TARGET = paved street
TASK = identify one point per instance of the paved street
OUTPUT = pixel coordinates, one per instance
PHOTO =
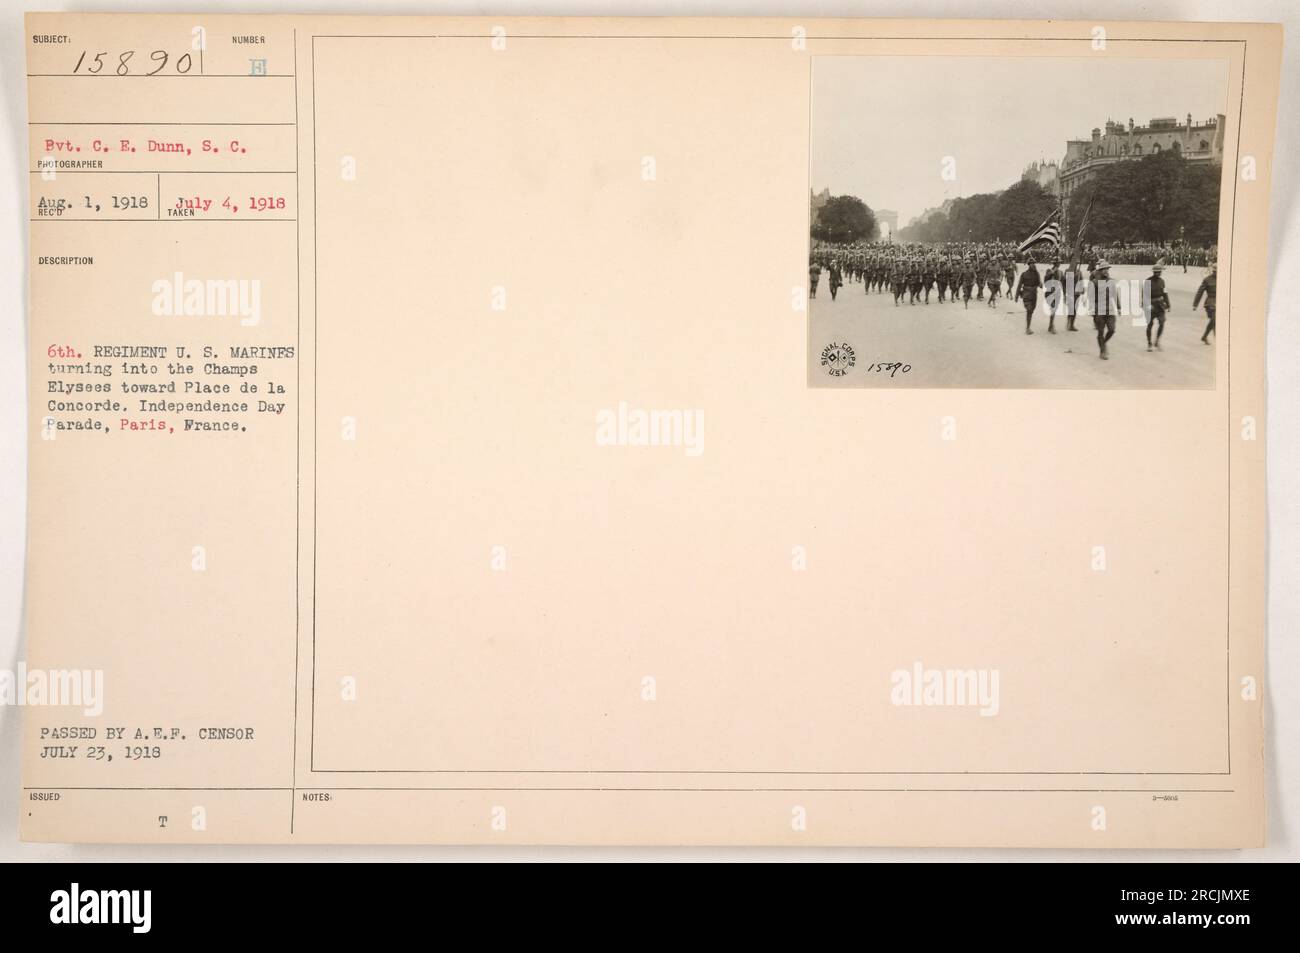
(948, 345)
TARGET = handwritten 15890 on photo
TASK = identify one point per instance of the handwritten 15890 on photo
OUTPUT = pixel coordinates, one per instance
(1033, 222)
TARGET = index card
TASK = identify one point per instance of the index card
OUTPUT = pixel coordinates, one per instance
(646, 431)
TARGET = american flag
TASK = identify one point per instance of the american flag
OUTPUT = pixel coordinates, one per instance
(1049, 232)
(1083, 225)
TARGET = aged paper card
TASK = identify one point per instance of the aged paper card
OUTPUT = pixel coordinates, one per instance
(646, 431)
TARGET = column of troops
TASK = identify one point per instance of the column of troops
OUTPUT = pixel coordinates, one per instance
(960, 271)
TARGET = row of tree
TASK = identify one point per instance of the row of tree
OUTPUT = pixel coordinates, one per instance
(1159, 198)
(1009, 215)
(845, 219)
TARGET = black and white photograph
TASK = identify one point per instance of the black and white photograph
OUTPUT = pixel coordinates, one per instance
(1031, 222)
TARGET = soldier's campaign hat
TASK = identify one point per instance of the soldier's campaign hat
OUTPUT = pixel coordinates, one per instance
(1159, 266)
(1101, 263)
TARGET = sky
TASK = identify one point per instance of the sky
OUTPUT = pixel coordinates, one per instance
(882, 125)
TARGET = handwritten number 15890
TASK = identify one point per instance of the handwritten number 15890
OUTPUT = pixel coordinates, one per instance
(94, 63)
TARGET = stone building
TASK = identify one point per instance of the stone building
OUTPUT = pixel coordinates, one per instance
(888, 221)
(1196, 141)
(815, 202)
(1046, 174)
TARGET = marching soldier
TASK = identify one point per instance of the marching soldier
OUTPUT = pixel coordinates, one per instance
(1157, 303)
(898, 280)
(968, 281)
(1026, 291)
(913, 280)
(1075, 287)
(993, 280)
(1209, 286)
(814, 275)
(836, 278)
(1052, 292)
(1105, 304)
